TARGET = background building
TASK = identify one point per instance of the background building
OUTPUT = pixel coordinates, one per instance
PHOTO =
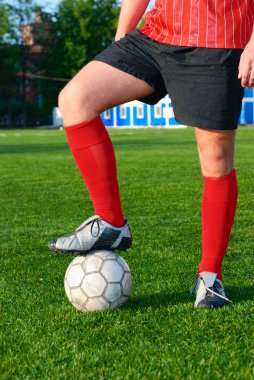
(136, 114)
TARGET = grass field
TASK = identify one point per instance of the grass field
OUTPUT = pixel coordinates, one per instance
(159, 334)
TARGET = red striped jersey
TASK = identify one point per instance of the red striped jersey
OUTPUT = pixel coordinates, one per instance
(201, 23)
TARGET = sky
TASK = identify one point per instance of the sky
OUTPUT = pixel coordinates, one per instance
(49, 5)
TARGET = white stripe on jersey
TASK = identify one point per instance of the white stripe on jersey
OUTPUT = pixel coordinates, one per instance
(204, 23)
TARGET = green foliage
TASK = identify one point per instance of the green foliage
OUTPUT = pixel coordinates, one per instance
(9, 66)
(78, 31)
(4, 19)
(81, 30)
(158, 335)
(16, 61)
(18, 13)
(9, 84)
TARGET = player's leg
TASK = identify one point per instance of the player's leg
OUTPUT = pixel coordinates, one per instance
(216, 153)
(206, 94)
(97, 87)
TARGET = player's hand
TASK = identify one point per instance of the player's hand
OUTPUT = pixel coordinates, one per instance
(246, 66)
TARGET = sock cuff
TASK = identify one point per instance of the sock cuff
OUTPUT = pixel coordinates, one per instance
(74, 127)
(222, 189)
(87, 134)
(227, 177)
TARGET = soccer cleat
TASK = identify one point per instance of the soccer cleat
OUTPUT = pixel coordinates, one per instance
(94, 233)
(209, 291)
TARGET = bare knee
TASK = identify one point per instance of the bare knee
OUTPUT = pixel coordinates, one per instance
(216, 152)
(61, 100)
(74, 105)
(215, 163)
(69, 98)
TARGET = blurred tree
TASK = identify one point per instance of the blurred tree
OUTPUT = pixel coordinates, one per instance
(82, 28)
(14, 55)
(17, 59)
(77, 31)
(4, 19)
(9, 84)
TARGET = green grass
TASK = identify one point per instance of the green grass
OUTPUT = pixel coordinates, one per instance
(159, 334)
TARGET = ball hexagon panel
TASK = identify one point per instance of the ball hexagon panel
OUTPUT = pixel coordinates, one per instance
(103, 254)
(97, 303)
(93, 285)
(112, 271)
(79, 307)
(78, 296)
(92, 264)
(113, 292)
(79, 260)
(127, 283)
(75, 276)
(120, 302)
(123, 263)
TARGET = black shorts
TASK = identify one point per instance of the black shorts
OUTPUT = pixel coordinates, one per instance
(201, 82)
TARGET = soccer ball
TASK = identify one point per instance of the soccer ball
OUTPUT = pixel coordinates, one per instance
(99, 280)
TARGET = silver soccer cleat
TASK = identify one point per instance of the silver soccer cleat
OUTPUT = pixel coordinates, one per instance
(94, 233)
(209, 291)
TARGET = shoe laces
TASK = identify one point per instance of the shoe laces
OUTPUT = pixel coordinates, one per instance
(215, 289)
(96, 223)
(212, 290)
(92, 222)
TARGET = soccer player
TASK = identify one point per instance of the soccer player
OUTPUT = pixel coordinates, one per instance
(202, 54)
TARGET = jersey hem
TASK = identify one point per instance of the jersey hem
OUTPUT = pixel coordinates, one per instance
(173, 41)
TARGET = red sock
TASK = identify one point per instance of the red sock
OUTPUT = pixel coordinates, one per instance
(218, 212)
(94, 154)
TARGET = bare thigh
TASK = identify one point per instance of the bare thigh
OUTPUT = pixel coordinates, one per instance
(216, 151)
(97, 87)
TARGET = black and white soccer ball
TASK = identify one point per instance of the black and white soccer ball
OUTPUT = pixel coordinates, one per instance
(99, 280)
